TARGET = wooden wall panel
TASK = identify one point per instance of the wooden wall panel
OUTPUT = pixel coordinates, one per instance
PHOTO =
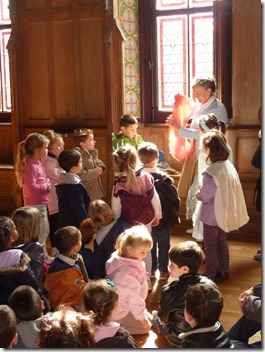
(35, 5)
(92, 69)
(64, 70)
(37, 67)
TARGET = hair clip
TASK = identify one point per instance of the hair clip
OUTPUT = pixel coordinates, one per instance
(111, 283)
(84, 132)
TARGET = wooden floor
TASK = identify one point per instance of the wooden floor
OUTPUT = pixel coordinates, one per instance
(244, 273)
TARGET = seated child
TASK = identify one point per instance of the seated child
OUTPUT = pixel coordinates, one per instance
(169, 199)
(128, 134)
(8, 327)
(15, 269)
(27, 221)
(184, 262)
(87, 233)
(67, 275)
(72, 195)
(28, 308)
(126, 268)
(93, 167)
(203, 306)
(66, 328)
(106, 230)
(101, 297)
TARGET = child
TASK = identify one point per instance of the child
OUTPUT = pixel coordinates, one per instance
(106, 230)
(134, 196)
(72, 194)
(203, 306)
(223, 205)
(14, 263)
(170, 202)
(67, 275)
(93, 167)
(101, 297)
(53, 171)
(33, 180)
(29, 320)
(66, 328)
(27, 222)
(126, 269)
(128, 135)
(8, 327)
(184, 262)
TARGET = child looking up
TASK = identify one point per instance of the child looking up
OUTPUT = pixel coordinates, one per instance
(184, 262)
(93, 167)
(27, 222)
(72, 194)
(101, 297)
(66, 328)
(106, 230)
(53, 171)
(134, 196)
(170, 202)
(223, 204)
(33, 180)
(67, 275)
(8, 327)
(203, 307)
(29, 320)
(126, 269)
(14, 263)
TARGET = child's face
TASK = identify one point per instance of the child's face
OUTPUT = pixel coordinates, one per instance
(41, 152)
(89, 143)
(201, 94)
(130, 131)
(58, 147)
(139, 252)
(175, 271)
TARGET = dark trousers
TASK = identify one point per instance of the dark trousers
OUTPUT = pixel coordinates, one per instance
(53, 222)
(242, 330)
(216, 250)
(161, 245)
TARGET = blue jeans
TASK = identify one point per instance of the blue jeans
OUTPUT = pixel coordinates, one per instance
(161, 245)
(242, 330)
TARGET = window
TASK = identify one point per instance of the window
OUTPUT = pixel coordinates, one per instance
(5, 31)
(177, 39)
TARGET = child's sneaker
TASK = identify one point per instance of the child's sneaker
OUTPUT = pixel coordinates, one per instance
(153, 275)
(164, 276)
(150, 287)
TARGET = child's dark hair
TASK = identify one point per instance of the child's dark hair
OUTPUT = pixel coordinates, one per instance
(65, 238)
(69, 158)
(26, 303)
(147, 152)
(204, 302)
(126, 159)
(6, 228)
(101, 297)
(209, 122)
(187, 253)
(8, 326)
(205, 82)
(27, 220)
(127, 120)
(217, 146)
(66, 328)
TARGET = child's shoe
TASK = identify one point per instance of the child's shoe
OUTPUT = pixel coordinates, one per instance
(150, 287)
(221, 276)
(153, 275)
(164, 276)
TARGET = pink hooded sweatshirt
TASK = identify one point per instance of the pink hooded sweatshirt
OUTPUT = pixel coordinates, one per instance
(129, 275)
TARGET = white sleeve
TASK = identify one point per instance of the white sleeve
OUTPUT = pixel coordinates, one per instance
(115, 205)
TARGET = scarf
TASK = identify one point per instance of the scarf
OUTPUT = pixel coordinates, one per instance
(79, 259)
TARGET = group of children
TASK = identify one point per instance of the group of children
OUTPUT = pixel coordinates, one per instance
(106, 282)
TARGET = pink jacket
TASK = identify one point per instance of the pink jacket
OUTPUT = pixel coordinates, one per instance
(129, 275)
(35, 187)
(53, 171)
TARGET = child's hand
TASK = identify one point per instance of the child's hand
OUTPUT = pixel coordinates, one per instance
(99, 171)
(49, 184)
(155, 222)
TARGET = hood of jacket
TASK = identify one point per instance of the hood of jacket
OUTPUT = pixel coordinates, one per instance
(13, 261)
(68, 178)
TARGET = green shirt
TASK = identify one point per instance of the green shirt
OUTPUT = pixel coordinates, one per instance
(118, 140)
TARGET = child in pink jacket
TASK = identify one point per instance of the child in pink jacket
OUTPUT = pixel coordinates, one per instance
(126, 268)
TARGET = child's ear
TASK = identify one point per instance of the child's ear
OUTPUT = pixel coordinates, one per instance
(42, 305)
(14, 341)
(123, 128)
(185, 269)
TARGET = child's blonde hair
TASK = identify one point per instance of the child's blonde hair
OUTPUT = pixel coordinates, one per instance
(135, 236)
(27, 220)
(52, 136)
(147, 152)
(100, 213)
(101, 297)
(126, 159)
(25, 149)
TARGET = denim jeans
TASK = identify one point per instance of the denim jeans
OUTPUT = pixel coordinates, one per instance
(242, 330)
(161, 245)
